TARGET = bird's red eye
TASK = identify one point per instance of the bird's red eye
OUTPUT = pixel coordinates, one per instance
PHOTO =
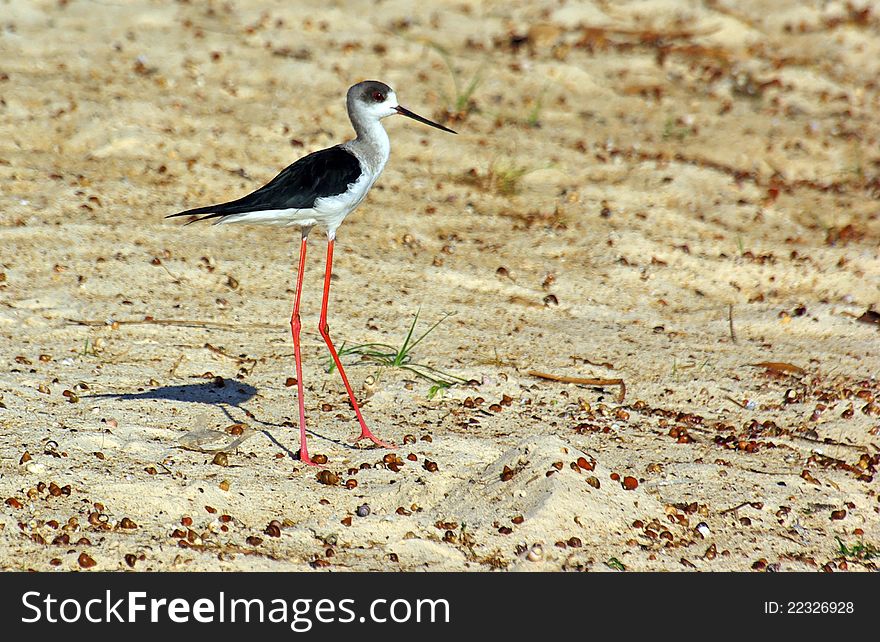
(378, 96)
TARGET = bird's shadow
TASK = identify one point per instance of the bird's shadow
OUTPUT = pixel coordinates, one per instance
(230, 394)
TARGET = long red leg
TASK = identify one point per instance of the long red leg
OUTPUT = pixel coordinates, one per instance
(324, 329)
(295, 327)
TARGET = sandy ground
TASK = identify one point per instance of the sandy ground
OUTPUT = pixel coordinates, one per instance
(663, 192)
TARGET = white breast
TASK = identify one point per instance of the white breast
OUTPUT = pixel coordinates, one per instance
(331, 210)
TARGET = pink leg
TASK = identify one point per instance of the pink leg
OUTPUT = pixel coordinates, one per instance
(324, 329)
(295, 327)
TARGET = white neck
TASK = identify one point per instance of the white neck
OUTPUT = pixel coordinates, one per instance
(372, 144)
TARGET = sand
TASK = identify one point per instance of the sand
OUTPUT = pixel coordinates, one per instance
(667, 193)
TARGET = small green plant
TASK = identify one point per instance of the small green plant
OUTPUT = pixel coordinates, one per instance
(462, 103)
(501, 177)
(533, 119)
(504, 179)
(687, 369)
(671, 129)
(388, 356)
(89, 349)
(858, 551)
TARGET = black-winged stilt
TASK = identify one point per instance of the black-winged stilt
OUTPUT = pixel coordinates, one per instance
(322, 189)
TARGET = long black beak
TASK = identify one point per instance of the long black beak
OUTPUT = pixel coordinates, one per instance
(403, 111)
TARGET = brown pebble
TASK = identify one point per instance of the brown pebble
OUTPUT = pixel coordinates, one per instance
(126, 523)
(320, 459)
(327, 477)
(583, 463)
(593, 481)
(351, 483)
(505, 530)
(13, 502)
(507, 474)
(86, 561)
(346, 521)
(290, 381)
(431, 466)
(412, 457)
(630, 483)
(130, 559)
(409, 439)
(224, 485)
(186, 520)
(55, 562)
(221, 459)
(519, 519)
(575, 542)
(615, 477)
(253, 540)
(838, 514)
(26, 457)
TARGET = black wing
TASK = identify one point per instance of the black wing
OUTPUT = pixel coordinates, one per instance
(327, 172)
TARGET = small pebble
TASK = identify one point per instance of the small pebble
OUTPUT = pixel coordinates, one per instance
(363, 510)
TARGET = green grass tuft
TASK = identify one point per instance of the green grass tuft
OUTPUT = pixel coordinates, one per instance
(388, 356)
(858, 551)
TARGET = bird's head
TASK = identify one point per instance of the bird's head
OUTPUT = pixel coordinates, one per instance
(376, 100)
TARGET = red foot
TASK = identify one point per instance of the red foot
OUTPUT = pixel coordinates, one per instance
(304, 458)
(372, 437)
